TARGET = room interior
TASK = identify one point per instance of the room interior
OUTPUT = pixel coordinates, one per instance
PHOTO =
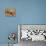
(27, 12)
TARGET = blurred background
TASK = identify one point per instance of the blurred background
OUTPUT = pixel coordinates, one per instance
(27, 12)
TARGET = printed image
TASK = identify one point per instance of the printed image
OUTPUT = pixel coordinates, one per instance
(10, 12)
(33, 32)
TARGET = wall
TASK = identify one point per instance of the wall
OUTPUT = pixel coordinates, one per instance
(27, 12)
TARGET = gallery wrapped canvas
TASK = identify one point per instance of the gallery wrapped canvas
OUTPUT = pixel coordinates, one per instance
(10, 12)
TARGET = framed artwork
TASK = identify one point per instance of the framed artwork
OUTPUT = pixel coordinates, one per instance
(10, 12)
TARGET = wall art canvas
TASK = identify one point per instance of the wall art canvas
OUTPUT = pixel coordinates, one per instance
(10, 12)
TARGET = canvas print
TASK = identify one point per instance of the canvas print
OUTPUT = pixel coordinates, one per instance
(33, 32)
(10, 12)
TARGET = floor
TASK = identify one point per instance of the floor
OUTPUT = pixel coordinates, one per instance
(30, 43)
(7, 45)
